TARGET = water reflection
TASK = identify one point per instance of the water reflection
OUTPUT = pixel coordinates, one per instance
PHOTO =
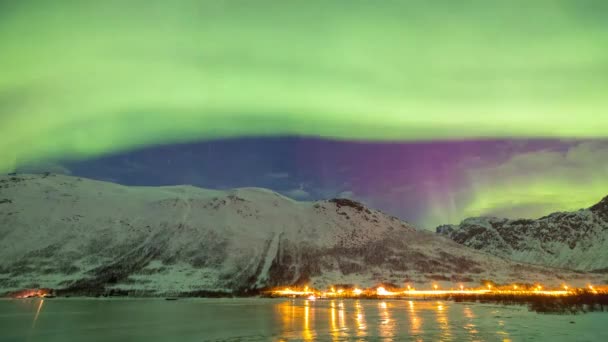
(40, 304)
(502, 334)
(469, 325)
(345, 319)
(337, 320)
(286, 314)
(386, 328)
(297, 319)
(360, 318)
(334, 327)
(415, 320)
(283, 320)
(307, 333)
(442, 321)
(342, 319)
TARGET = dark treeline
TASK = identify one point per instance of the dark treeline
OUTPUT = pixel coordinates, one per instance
(578, 303)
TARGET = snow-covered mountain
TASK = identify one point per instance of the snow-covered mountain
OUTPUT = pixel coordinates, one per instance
(576, 240)
(90, 237)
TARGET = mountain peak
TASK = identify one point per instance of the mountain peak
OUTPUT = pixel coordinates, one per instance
(601, 208)
(345, 202)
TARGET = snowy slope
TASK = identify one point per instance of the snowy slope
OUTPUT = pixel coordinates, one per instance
(90, 237)
(576, 240)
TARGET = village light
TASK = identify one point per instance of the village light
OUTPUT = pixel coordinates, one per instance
(308, 292)
(381, 291)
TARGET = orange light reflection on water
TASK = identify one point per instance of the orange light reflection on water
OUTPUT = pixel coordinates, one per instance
(442, 321)
(37, 312)
(470, 326)
(415, 320)
(332, 322)
(306, 332)
(386, 326)
(360, 318)
(385, 320)
(342, 319)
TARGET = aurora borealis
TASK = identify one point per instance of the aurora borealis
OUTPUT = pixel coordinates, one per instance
(87, 80)
(426, 183)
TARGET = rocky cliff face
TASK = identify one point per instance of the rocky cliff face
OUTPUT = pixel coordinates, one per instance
(87, 237)
(576, 240)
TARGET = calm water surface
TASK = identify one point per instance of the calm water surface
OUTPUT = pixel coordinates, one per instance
(285, 319)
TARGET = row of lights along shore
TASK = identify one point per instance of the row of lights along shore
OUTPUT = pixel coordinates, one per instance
(409, 291)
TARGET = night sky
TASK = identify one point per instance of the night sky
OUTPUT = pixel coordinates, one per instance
(426, 183)
(429, 110)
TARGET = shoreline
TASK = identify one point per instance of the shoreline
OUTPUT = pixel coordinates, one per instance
(572, 304)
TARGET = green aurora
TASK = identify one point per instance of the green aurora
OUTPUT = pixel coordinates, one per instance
(538, 183)
(84, 79)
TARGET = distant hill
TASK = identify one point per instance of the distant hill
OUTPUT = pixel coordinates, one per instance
(576, 240)
(88, 237)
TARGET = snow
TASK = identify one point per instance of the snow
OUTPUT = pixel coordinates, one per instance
(91, 236)
(575, 240)
(270, 255)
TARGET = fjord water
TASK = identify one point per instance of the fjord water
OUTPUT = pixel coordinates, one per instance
(257, 319)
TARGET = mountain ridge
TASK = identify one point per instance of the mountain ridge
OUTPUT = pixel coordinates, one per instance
(575, 240)
(86, 237)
